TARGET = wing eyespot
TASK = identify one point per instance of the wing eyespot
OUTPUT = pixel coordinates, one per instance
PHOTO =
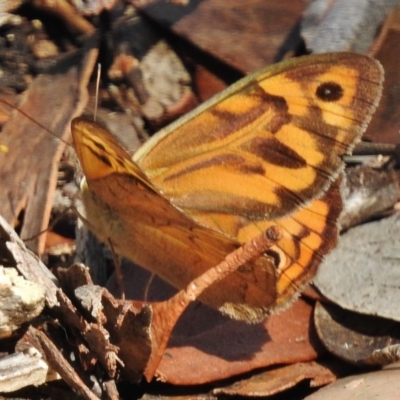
(329, 92)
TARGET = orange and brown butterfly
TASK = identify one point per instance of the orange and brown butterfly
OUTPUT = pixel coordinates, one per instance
(266, 151)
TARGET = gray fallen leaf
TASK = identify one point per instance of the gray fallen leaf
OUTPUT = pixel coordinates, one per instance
(343, 25)
(363, 273)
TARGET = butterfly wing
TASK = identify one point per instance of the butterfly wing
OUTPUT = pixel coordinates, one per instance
(270, 143)
(265, 152)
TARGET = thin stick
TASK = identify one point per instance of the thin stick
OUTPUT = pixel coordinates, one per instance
(97, 91)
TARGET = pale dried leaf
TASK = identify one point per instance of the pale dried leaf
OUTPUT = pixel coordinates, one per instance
(367, 258)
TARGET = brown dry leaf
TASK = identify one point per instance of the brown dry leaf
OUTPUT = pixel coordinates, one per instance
(385, 124)
(246, 35)
(167, 313)
(383, 385)
(24, 169)
(353, 337)
(367, 258)
(279, 379)
(205, 346)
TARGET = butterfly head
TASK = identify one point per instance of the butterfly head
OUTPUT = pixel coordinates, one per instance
(99, 153)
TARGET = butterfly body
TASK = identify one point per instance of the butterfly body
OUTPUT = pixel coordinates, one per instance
(267, 151)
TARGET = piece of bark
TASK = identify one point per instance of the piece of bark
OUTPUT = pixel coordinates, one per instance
(388, 355)
(19, 370)
(96, 337)
(20, 301)
(28, 171)
(110, 338)
(56, 361)
(28, 264)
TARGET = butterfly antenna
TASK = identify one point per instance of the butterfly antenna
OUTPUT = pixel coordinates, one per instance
(97, 91)
(52, 224)
(7, 103)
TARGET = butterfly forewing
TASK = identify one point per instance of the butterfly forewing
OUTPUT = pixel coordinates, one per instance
(270, 143)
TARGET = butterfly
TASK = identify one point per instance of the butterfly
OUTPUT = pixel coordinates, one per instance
(266, 151)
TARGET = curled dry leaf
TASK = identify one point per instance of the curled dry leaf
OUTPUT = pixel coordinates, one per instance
(353, 337)
(279, 379)
(369, 193)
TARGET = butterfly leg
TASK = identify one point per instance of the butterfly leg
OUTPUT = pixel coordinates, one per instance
(118, 271)
(147, 288)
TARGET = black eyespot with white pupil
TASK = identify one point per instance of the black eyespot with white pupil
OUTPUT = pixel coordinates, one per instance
(329, 91)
